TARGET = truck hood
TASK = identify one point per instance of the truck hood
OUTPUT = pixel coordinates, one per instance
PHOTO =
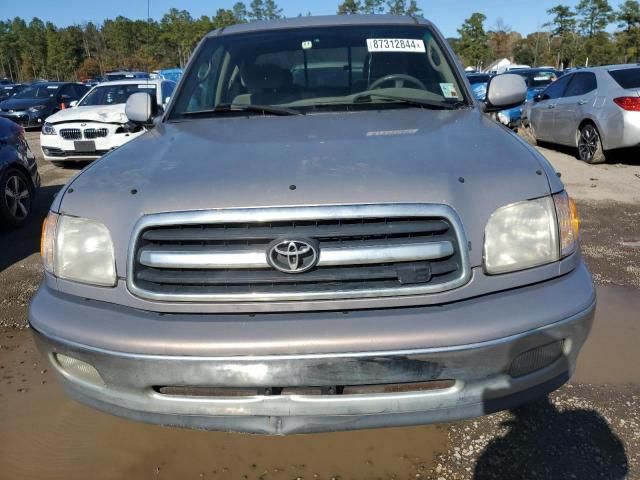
(99, 113)
(460, 158)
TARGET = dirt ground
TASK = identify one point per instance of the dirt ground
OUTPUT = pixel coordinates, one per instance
(587, 429)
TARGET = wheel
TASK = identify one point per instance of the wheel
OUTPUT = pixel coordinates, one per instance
(590, 145)
(15, 198)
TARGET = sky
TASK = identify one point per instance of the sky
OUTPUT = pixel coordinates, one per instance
(524, 16)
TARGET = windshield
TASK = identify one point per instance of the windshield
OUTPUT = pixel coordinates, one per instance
(115, 94)
(538, 79)
(330, 68)
(125, 76)
(39, 91)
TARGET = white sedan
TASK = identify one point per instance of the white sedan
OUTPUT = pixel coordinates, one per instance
(98, 124)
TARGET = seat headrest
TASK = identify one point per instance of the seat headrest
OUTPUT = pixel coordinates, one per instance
(259, 78)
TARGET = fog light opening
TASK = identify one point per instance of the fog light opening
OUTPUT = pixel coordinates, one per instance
(537, 358)
(78, 370)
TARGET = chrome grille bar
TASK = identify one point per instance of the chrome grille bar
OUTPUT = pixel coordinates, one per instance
(328, 256)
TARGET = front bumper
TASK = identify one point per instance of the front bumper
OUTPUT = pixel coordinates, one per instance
(479, 373)
(58, 149)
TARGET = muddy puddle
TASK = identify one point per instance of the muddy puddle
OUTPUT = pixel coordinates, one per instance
(611, 355)
(44, 435)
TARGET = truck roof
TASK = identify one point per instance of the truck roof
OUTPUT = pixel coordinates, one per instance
(319, 21)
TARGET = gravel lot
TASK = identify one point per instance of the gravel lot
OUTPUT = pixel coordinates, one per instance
(588, 429)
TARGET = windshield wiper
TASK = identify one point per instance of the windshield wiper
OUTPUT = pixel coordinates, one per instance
(233, 107)
(368, 97)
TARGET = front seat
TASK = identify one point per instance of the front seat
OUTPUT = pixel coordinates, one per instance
(267, 84)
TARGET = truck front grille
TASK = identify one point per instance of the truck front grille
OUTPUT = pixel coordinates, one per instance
(362, 251)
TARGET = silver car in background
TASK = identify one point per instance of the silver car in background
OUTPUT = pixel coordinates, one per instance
(595, 110)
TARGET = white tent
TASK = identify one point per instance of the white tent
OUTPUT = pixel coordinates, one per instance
(499, 66)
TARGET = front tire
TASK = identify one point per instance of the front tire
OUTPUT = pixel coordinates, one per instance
(590, 145)
(15, 198)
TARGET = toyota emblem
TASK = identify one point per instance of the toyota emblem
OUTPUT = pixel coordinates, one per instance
(293, 255)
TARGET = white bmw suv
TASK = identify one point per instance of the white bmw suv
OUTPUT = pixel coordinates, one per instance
(98, 123)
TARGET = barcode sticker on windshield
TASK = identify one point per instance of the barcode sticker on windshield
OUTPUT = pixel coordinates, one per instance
(395, 45)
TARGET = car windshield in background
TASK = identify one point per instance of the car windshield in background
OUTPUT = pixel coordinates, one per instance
(319, 68)
(39, 91)
(115, 94)
(475, 79)
(627, 77)
(111, 77)
(538, 79)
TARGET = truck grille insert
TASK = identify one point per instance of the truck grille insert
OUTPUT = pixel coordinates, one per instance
(360, 251)
(249, 392)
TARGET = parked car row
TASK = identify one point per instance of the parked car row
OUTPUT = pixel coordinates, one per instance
(32, 105)
(595, 110)
(98, 123)
(536, 80)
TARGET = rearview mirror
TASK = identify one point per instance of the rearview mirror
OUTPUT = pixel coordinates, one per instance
(139, 108)
(504, 92)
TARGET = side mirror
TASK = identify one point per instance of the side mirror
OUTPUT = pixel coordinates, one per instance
(74, 104)
(139, 108)
(504, 92)
(537, 97)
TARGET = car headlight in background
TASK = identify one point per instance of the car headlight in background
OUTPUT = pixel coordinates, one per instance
(78, 249)
(530, 233)
(37, 108)
(503, 118)
(48, 129)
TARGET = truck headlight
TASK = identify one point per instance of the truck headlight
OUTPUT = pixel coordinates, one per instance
(530, 233)
(568, 223)
(78, 249)
(48, 129)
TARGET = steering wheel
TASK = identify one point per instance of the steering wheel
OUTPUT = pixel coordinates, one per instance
(399, 79)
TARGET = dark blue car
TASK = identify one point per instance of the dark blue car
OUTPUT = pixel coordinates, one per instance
(19, 178)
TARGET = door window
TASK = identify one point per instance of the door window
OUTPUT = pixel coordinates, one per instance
(581, 84)
(557, 88)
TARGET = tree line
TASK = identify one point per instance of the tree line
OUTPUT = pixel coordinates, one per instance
(571, 37)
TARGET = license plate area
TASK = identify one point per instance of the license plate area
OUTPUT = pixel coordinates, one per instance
(84, 146)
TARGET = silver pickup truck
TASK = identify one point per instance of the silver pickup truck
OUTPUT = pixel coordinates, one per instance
(323, 231)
